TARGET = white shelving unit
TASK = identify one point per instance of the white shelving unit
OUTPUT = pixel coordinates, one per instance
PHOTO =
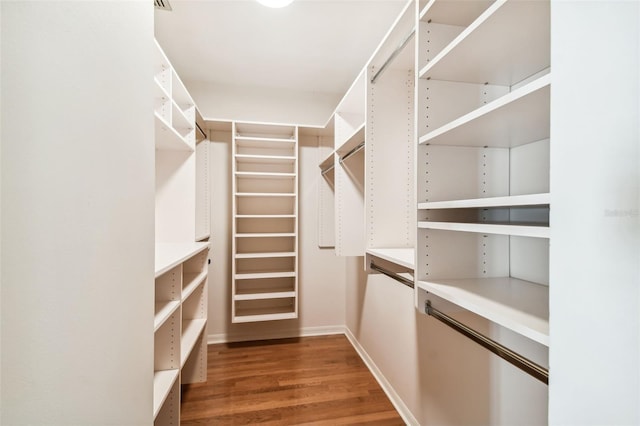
(180, 347)
(483, 161)
(265, 222)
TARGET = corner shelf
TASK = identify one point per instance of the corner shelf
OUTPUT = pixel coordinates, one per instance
(400, 256)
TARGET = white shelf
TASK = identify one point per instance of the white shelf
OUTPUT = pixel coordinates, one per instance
(265, 216)
(265, 175)
(265, 255)
(400, 256)
(167, 138)
(355, 139)
(265, 194)
(163, 310)
(258, 275)
(168, 255)
(517, 118)
(265, 295)
(254, 315)
(246, 158)
(191, 282)
(266, 235)
(506, 44)
(329, 161)
(191, 330)
(458, 13)
(508, 201)
(162, 382)
(486, 228)
(518, 305)
(263, 142)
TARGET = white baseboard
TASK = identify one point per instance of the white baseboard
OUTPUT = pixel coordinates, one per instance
(395, 399)
(283, 334)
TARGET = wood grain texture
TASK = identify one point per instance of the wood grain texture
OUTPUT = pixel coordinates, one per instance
(303, 381)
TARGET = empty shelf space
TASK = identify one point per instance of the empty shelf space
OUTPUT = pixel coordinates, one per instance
(168, 255)
(522, 230)
(265, 175)
(257, 275)
(254, 315)
(355, 139)
(264, 158)
(163, 381)
(514, 119)
(265, 255)
(263, 295)
(518, 305)
(191, 331)
(507, 201)
(265, 194)
(191, 282)
(266, 235)
(167, 138)
(163, 310)
(327, 162)
(265, 216)
(506, 44)
(266, 142)
(400, 256)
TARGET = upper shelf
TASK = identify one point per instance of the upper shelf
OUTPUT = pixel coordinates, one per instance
(508, 201)
(458, 13)
(519, 117)
(167, 138)
(514, 229)
(355, 139)
(400, 256)
(169, 255)
(509, 42)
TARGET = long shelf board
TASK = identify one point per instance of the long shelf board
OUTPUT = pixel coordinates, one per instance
(163, 381)
(264, 158)
(178, 118)
(518, 305)
(167, 138)
(258, 275)
(265, 216)
(400, 256)
(265, 175)
(461, 13)
(265, 295)
(168, 255)
(489, 228)
(164, 309)
(266, 194)
(506, 44)
(506, 201)
(263, 139)
(327, 161)
(266, 235)
(519, 117)
(265, 255)
(191, 282)
(191, 330)
(255, 315)
(355, 139)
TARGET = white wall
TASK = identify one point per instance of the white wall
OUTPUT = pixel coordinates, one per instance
(595, 219)
(77, 213)
(321, 276)
(260, 104)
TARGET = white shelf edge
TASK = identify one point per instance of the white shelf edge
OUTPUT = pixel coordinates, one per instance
(167, 138)
(168, 255)
(264, 317)
(265, 216)
(163, 310)
(266, 295)
(328, 160)
(258, 275)
(266, 235)
(265, 174)
(506, 201)
(468, 294)
(264, 157)
(486, 228)
(400, 256)
(163, 381)
(265, 194)
(489, 108)
(191, 330)
(353, 140)
(265, 139)
(195, 280)
(264, 255)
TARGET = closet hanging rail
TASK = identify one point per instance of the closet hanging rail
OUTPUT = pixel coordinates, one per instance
(503, 352)
(390, 274)
(394, 54)
(352, 152)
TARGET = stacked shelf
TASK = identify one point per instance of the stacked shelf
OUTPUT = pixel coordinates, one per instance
(483, 113)
(179, 324)
(265, 228)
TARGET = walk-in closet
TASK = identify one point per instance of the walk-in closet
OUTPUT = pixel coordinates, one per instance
(420, 212)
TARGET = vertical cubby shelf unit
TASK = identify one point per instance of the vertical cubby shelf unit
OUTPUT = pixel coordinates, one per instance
(180, 346)
(483, 161)
(265, 222)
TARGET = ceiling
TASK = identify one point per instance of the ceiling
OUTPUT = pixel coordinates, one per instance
(312, 45)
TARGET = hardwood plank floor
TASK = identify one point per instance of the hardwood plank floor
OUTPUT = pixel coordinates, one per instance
(303, 381)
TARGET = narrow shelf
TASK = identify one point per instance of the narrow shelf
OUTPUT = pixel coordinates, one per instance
(327, 162)
(400, 256)
(265, 216)
(506, 44)
(264, 158)
(168, 255)
(536, 231)
(265, 295)
(191, 282)
(507, 201)
(164, 309)
(263, 142)
(265, 255)
(265, 194)
(163, 380)
(356, 138)
(514, 119)
(518, 305)
(179, 119)
(265, 175)
(167, 138)
(191, 330)
(257, 275)
(266, 235)
(453, 12)
(267, 314)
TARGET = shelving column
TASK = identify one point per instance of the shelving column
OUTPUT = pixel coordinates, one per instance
(265, 222)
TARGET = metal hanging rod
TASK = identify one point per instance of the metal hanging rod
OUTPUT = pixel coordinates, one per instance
(390, 274)
(327, 170)
(503, 352)
(353, 151)
(394, 54)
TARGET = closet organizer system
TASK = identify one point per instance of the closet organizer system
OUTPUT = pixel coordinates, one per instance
(181, 232)
(444, 138)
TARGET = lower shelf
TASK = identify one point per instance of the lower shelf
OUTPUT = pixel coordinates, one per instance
(518, 305)
(191, 330)
(265, 309)
(256, 315)
(162, 382)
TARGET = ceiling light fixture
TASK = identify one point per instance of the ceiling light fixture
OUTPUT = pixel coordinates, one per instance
(275, 3)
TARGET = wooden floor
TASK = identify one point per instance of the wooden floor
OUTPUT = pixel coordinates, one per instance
(305, 381)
